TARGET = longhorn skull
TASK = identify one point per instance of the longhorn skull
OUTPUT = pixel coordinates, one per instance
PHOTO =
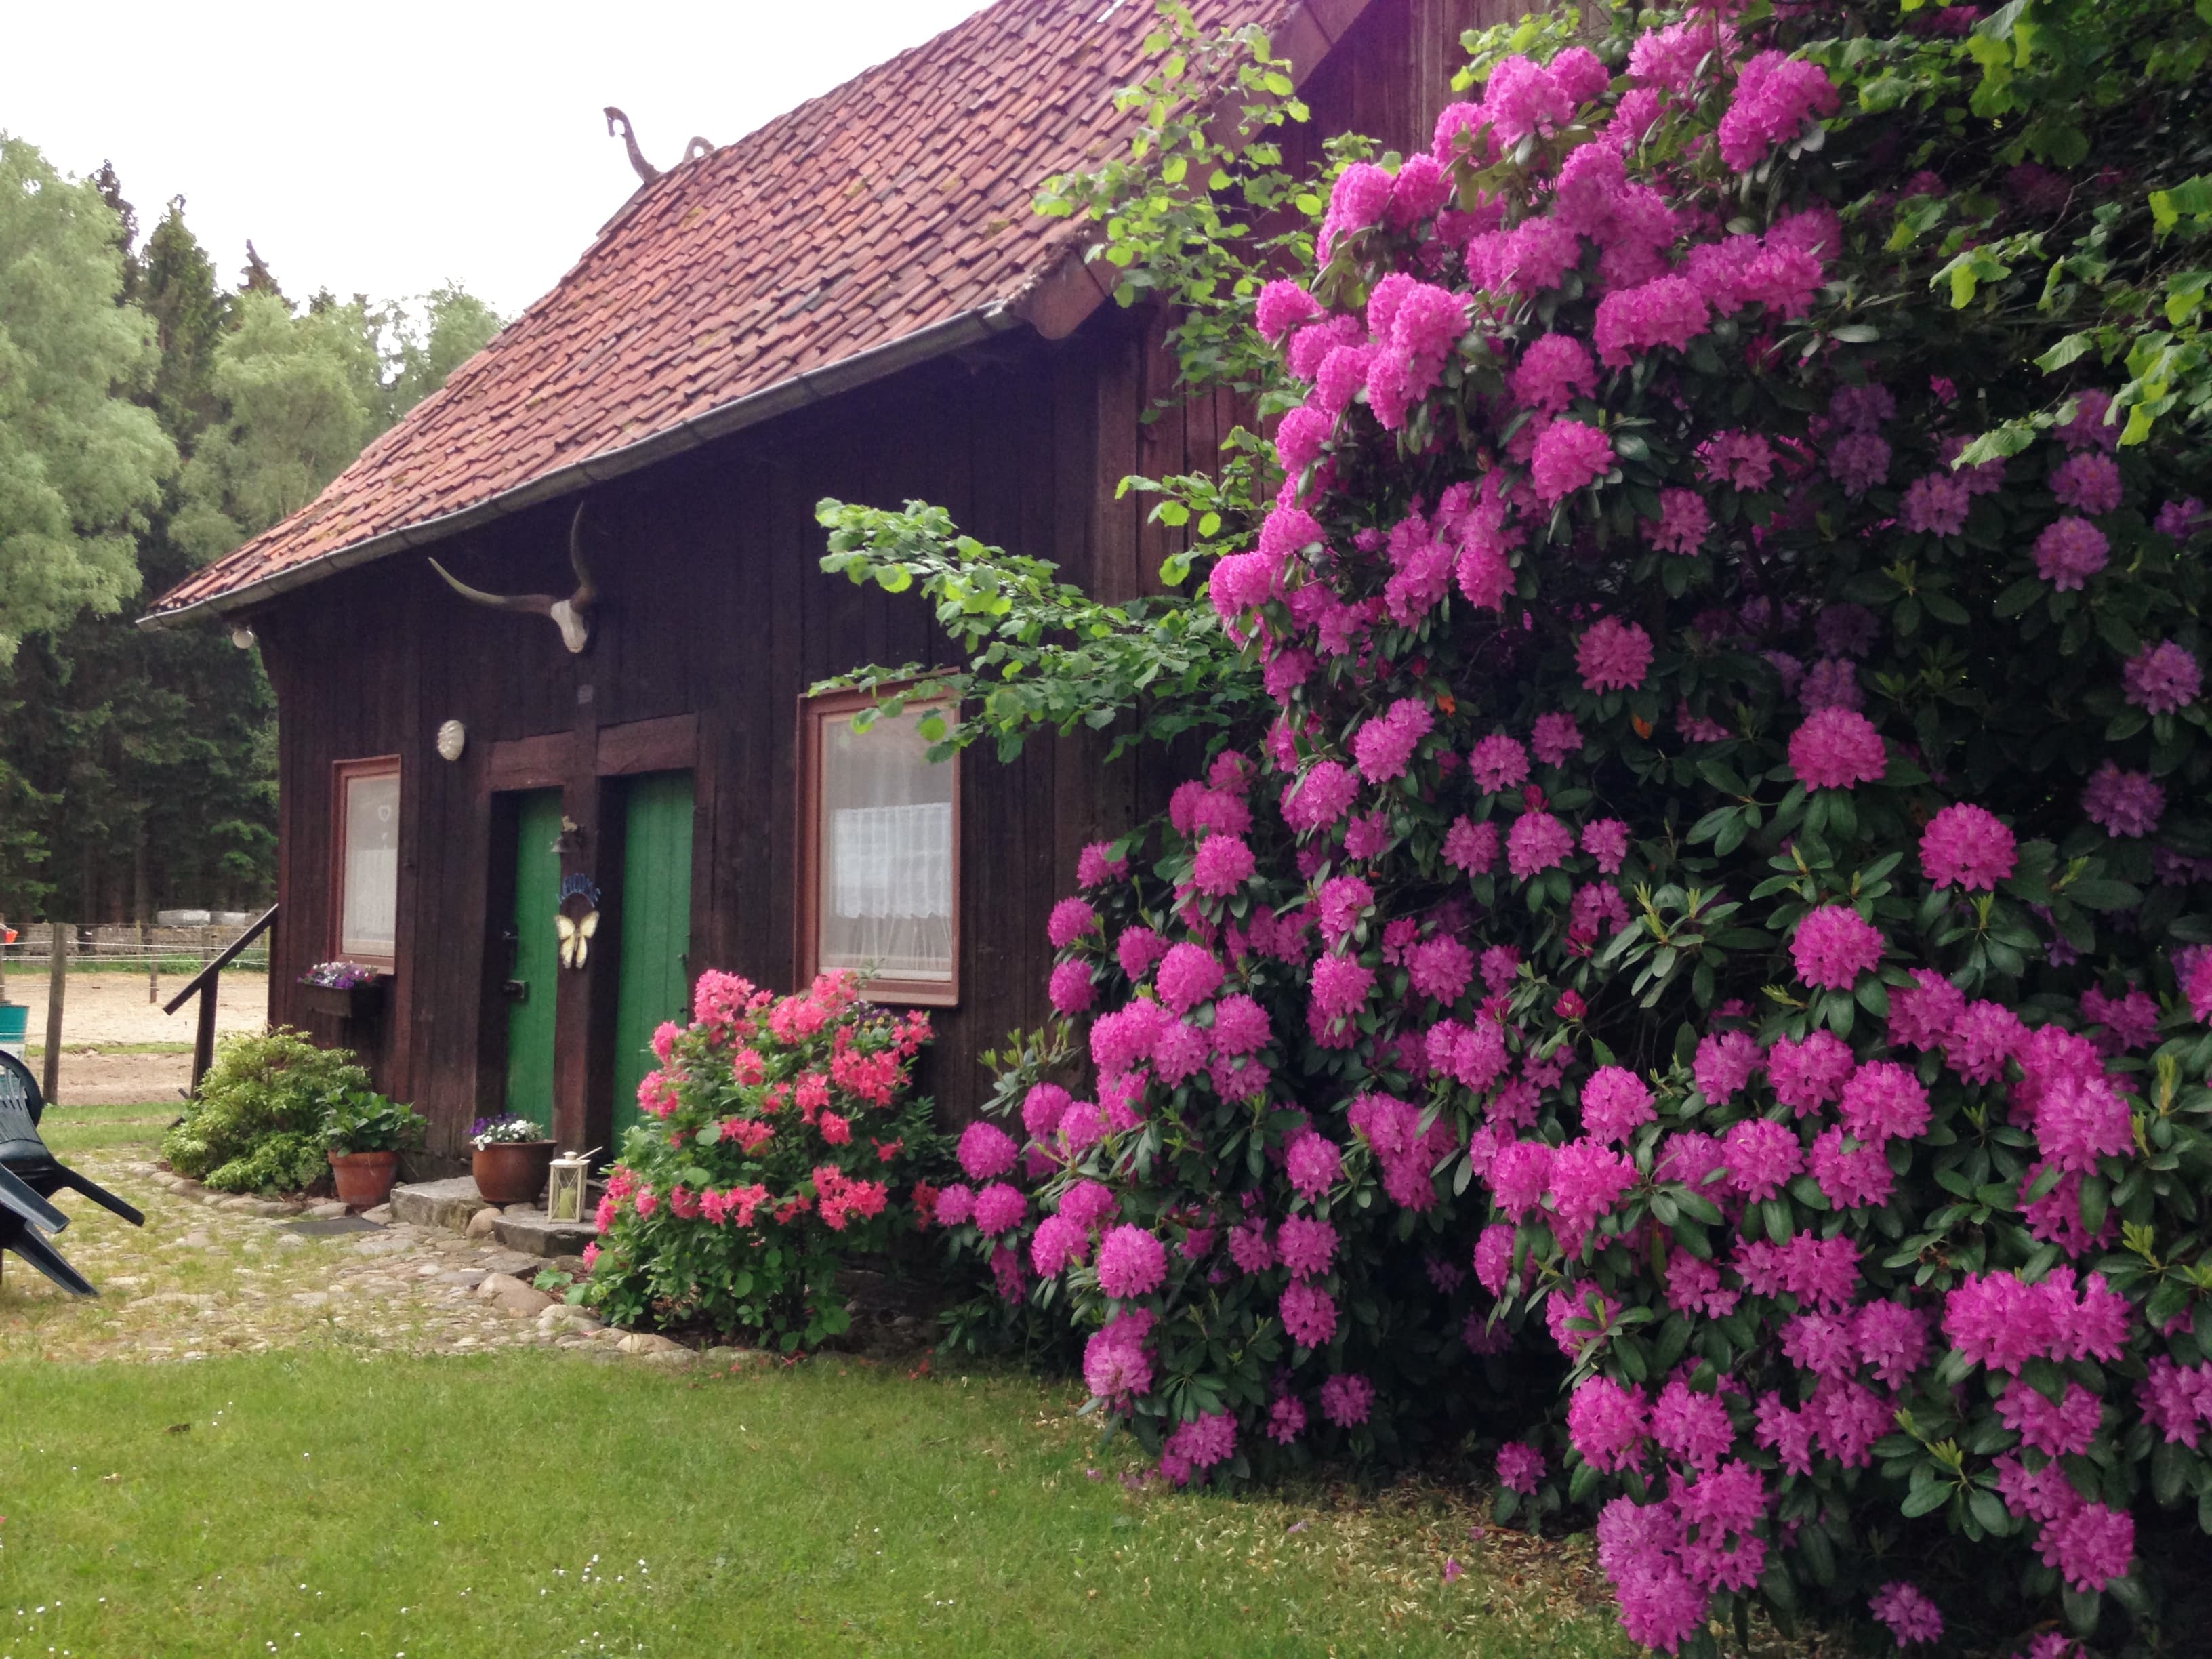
(572, 616)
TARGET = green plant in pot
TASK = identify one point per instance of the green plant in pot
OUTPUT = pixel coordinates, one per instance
(511, 1158)
(364, 1134)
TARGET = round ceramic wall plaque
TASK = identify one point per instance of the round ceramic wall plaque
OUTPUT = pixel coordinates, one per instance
(452, 738)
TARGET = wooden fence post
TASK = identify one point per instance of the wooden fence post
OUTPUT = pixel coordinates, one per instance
(204, 1037)
(153, 964)
(57, 984)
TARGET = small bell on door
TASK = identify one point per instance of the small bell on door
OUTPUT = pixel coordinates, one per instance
(565, 1191)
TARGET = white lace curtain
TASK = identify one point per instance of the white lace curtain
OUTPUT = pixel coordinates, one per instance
(371, 901)
(887, 863)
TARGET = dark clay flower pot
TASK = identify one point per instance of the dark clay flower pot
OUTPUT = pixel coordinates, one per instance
(512, 1172)
(363, 1179)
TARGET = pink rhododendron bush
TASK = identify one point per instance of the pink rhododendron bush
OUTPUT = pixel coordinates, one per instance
(1709, 963)
(780, 1141)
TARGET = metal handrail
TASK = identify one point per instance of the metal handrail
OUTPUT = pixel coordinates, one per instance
(230, 953)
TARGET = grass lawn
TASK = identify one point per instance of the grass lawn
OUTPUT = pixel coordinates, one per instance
(537, 1504)
(68, 1130)
(334, 1498)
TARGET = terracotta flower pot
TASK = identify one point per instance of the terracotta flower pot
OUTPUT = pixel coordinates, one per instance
(363, 1179)
(512, 1172)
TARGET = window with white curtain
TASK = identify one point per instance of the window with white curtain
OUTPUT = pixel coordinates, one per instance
(368, 827)
(882, 882)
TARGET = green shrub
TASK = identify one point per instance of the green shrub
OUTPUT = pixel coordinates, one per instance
(256, 1124)
(283, 1163)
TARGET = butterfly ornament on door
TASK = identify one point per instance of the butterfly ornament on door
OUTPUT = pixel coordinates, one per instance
(577, 919)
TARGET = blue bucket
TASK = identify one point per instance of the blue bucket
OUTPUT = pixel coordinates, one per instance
(14, 1027)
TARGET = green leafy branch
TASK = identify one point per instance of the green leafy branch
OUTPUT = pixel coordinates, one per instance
(1202, 210)
(1043, 655)
(2118, 279)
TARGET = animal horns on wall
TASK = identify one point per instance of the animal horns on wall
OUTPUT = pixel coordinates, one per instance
(572, 616)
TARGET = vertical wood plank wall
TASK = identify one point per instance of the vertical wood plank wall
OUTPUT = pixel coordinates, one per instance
(713, 603)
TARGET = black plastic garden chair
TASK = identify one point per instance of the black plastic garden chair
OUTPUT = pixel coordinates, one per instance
(30, 1175)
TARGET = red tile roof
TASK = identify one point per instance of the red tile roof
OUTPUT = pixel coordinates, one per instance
(883, 222)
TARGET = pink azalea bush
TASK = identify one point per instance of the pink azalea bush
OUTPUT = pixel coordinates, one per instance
(781, 1140)
(1718, 1004)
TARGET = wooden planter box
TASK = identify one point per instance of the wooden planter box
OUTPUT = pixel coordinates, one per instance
(353, 1002)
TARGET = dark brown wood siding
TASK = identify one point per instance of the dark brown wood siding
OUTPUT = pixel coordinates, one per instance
(714, 607)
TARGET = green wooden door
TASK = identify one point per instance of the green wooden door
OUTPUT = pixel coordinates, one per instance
(656, 929)
(537, 963)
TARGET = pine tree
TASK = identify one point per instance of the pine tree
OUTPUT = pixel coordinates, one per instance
(176, 283)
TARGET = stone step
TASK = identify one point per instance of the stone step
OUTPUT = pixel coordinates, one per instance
(449, 1204)
(528, 1230)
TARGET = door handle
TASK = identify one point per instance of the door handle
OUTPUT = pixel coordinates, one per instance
(513, 989)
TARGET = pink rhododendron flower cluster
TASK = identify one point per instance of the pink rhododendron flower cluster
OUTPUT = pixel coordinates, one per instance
(2123, 804)
(2087, 482)
(1614, 655)
(1683, 523)
(1966, 847)
(1935, 504)
(1497, 762)
(2069, 552)
(1556, 738)
(2162, 677)
(1568, 455)
(1837, 749)
(1615, 1101)
(1996, 1320)
(1833, 945)
(1132, 1262)
(1775, 97)
(1911, 1616)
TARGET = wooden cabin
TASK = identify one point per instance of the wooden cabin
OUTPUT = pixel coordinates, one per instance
(855, 301)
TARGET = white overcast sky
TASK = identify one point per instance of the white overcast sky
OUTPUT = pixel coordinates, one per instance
(387, 148)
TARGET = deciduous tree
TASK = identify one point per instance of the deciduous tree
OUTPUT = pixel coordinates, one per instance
(81, 463)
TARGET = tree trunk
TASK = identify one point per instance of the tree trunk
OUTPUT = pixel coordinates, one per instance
(141, 894)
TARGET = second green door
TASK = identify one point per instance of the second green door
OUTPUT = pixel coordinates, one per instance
(656, 929)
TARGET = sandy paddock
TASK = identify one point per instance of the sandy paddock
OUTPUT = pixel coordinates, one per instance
(107, 1009)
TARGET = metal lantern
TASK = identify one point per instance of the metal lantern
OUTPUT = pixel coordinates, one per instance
(565, 1192)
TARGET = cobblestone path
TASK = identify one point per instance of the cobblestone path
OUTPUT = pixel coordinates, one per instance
(209, 1274)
